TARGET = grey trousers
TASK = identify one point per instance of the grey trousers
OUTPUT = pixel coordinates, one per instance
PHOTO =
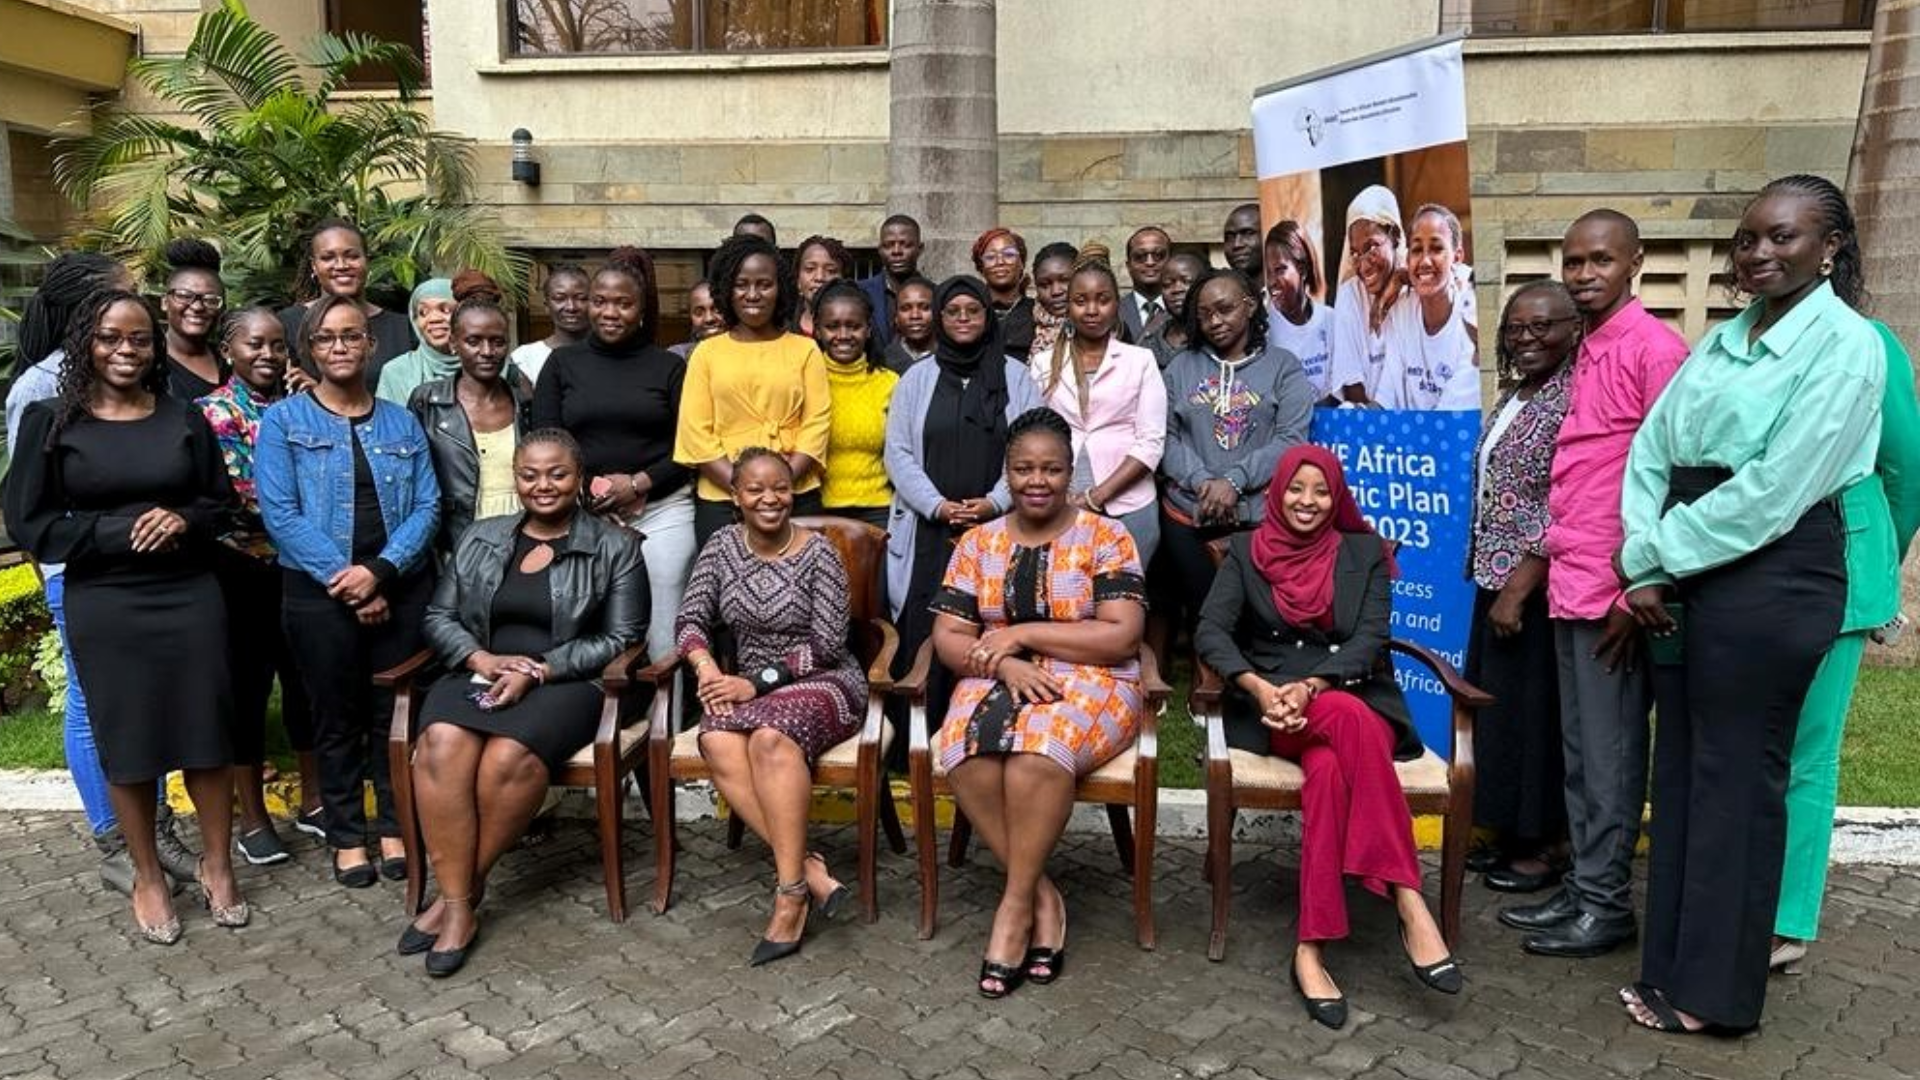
(1603, 726)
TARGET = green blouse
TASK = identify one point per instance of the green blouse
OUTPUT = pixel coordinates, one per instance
(1795, 415)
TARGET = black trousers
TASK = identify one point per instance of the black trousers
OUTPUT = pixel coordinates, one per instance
(338, 658)
(1521, 788)
(1182, 571)
(1755, 632)
(257, 653)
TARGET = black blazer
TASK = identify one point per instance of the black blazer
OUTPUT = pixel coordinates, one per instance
(1240, 630)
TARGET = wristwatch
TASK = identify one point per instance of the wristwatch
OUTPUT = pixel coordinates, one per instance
(768, 678)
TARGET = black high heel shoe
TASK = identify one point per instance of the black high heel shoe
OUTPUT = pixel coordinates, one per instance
(770, 950)
(1043, 965)
(1442, 975)
(444, 962)
(1327, 1012)
(1008, 976)
(830, 907)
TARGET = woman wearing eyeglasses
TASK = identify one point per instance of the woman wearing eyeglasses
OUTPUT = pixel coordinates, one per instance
(192, 305)
(349, 498)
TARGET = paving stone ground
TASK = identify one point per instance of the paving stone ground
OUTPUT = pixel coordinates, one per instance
(312, 989)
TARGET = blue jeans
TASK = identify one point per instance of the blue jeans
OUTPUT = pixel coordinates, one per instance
(83, 761)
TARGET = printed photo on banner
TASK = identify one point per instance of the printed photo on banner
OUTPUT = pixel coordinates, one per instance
(1365, 205)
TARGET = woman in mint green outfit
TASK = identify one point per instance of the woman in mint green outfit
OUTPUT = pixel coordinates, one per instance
(1881, 514)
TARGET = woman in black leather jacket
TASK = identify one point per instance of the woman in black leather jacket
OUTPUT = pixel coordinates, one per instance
(533, 606)
(474, 417)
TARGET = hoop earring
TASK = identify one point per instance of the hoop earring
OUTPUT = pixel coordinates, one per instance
(1826, 267)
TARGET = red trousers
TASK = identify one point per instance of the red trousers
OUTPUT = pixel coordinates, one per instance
(1354, 816)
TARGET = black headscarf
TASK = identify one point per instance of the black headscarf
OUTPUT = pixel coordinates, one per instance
(981, 366)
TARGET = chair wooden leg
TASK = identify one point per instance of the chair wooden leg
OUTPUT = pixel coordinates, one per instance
(400, 771)
(1122, 834)
(866, 799)
(736, 830)
(961, 837)
(1143, 873)
(1457, 832)
(664, 840)
(608, 792)
(1220, 859)
(921, 784)
(890, 818)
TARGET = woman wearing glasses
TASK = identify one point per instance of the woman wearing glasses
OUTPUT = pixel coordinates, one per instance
(192, 304)
(348, 494)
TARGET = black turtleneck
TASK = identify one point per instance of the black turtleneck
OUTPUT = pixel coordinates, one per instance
(621, 402)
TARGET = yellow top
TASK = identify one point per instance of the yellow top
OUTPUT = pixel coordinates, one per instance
(496, 495)
(761, 393)
(856, 475)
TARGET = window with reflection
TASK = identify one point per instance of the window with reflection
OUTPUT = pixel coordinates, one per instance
(603, 27)
(1548, 17)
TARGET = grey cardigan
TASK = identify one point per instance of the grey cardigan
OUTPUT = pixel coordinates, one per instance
(914, 495)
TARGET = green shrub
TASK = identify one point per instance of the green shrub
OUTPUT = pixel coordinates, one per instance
(24, 621)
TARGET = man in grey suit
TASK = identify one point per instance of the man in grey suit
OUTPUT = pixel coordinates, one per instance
(1142, 309)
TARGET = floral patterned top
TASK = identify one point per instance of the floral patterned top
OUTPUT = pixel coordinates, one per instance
(234, 413)
(1510, 516)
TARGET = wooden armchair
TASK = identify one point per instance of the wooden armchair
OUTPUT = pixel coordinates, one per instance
(603, 764)
(856, 763)
(1130, 781)
(1240, 780)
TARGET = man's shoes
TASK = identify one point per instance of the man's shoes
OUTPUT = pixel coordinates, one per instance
(261, 847)
(116, 866)
(1559, 909)
(1484, 858)
(1587, 935)
(1508, 880)
(181, 862)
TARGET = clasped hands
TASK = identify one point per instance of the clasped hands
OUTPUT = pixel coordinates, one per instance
(509, 678)
(158, 529)
(998, 654)
(359, 588)
(718, 691)
(1284, 707)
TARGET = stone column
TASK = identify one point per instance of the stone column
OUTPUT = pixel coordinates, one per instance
(943, 155)
(1883, 185)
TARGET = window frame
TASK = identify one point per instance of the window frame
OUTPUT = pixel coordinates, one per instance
(1453, 19)
(696, 58)
(331, 22)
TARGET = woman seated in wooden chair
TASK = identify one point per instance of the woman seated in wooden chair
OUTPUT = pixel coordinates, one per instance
(1297, 625)
(1042, 613)
(782, 593)
(533, 606)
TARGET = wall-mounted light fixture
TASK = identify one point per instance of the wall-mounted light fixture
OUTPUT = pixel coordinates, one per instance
(525, 169)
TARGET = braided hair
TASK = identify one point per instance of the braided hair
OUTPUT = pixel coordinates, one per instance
(842, 289)
(65, 284)
(1848, 277)
(77, 376)
(637, 265)
(1190, 309)
(1503, 355)
(755, 453)
(1041, 421)
(306, 281)
(552, 436)
(1094, 258)
(725, 271)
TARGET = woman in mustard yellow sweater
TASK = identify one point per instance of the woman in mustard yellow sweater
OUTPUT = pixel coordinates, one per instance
(755, 385)
(856, 484)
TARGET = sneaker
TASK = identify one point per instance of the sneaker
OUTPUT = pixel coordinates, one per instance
(181, 862)
(312, 822)
(261, 847)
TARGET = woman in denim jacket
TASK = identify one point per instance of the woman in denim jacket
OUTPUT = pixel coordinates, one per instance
(348, 495)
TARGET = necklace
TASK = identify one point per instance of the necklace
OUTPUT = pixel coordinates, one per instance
(792, 533)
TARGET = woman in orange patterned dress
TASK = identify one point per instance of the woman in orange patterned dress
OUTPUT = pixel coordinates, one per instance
(1041, 615)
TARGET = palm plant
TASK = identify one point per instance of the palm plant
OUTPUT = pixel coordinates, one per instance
(270, 152)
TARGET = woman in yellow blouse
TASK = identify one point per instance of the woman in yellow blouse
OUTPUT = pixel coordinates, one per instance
(856, 484)
(755, 385)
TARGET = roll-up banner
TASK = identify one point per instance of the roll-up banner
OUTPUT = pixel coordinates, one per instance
(1364, 199)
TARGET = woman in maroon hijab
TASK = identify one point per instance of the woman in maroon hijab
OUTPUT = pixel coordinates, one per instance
(1297, 623)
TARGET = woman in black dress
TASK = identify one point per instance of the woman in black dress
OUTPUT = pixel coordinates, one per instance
(336, 265)
(126, 486)
(531, 608)
(192, 305)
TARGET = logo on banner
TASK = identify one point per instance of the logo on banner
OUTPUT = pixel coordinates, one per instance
(1311, 125)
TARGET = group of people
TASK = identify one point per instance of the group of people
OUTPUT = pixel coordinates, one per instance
(314, 494)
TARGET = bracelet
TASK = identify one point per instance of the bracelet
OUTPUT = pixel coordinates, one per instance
(1087, 497)
(701, 662)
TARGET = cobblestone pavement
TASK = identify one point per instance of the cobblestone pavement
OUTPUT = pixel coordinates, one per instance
(313, 988)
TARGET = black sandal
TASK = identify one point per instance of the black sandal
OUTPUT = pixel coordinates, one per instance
(1007, 975)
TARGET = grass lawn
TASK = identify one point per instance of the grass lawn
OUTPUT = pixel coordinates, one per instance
(1879, 763)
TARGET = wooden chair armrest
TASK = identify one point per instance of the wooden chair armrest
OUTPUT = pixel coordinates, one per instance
(1207, 690)
(1151, 684)
(619, 672)
(913, 685)
(1458, 688)
(400, 676)
(880, 672)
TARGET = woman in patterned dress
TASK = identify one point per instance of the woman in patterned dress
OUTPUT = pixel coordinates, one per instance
(1041, 614)
(1520, 795)
(782, 592)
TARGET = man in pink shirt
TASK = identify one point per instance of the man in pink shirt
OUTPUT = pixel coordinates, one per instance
(1625, 361)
